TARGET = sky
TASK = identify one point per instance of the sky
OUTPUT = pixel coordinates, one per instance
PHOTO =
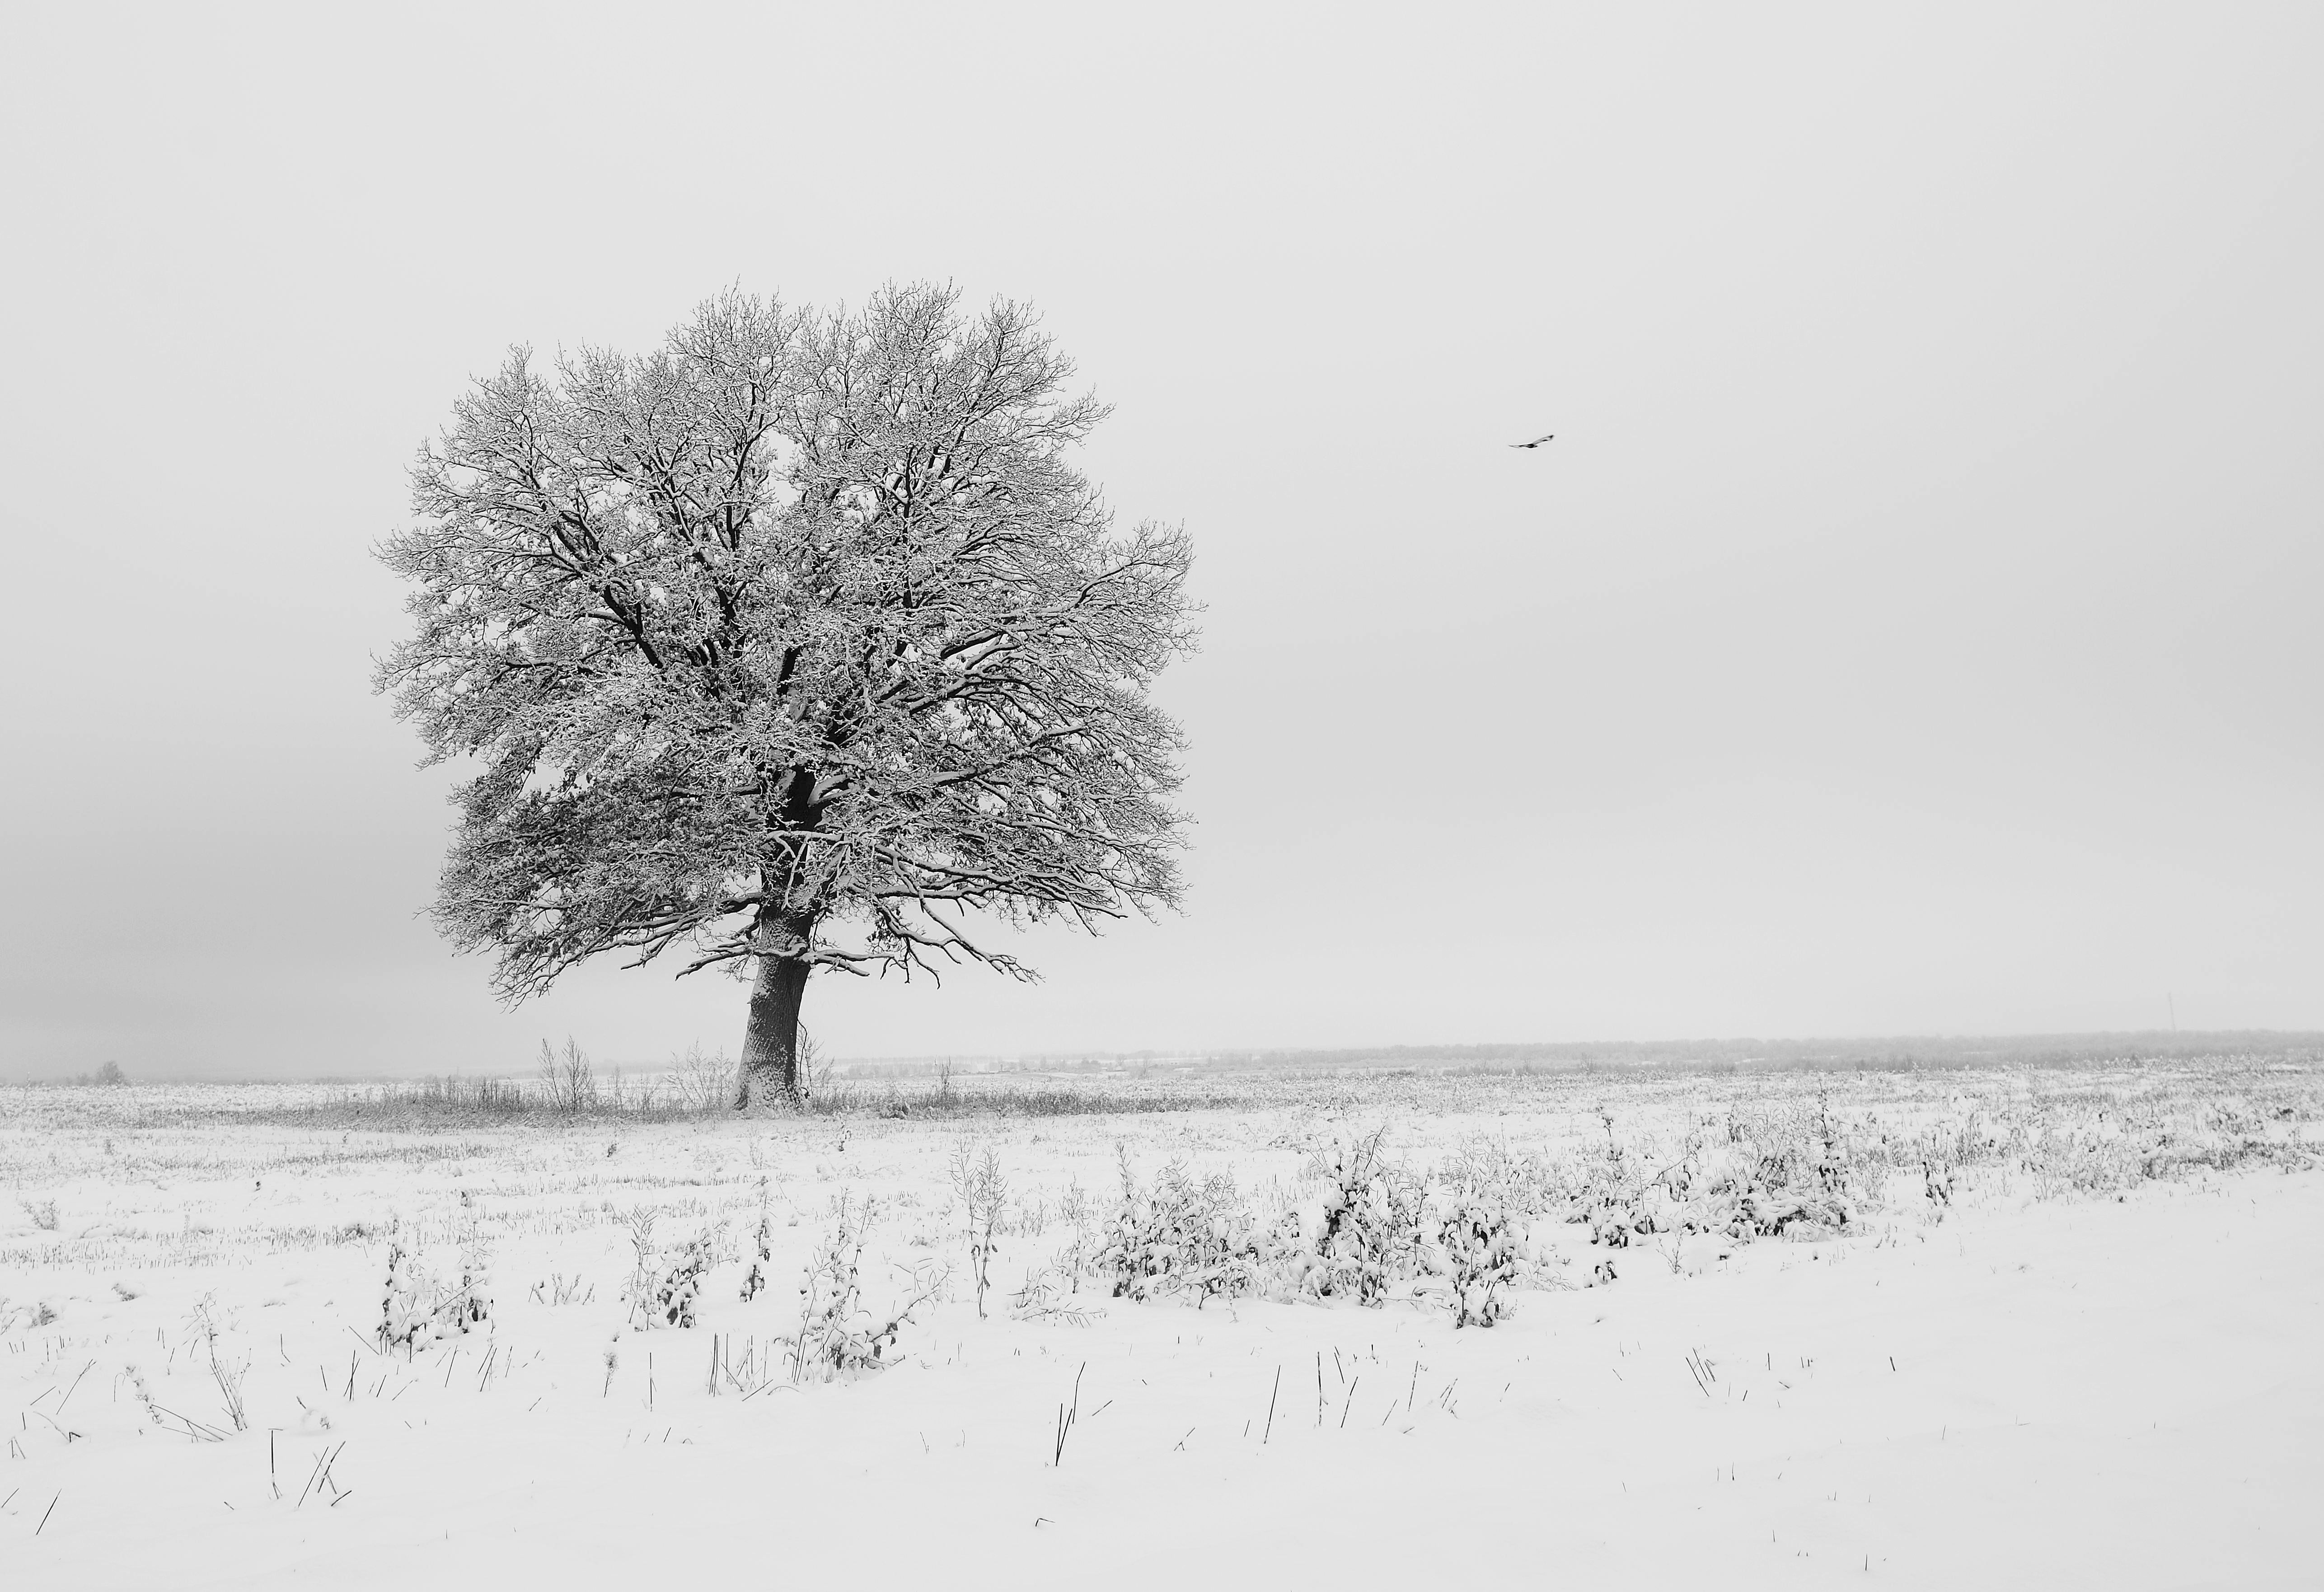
(1912, 628)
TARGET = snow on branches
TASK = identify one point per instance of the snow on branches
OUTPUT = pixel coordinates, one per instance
(794, 643)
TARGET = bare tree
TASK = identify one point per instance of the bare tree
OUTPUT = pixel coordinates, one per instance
(799, 643)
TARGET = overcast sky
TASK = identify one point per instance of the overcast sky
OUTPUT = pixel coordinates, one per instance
(1913, 628)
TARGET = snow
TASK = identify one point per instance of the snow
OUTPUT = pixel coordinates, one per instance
(2032, 1388)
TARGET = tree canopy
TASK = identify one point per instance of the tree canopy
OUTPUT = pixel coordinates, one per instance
(799, 643)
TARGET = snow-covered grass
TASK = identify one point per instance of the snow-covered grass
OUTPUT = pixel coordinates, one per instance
(2045, 1326)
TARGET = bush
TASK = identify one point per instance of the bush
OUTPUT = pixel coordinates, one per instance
(1759, 1173)
(415, 1312)
(664, 1283)
(1180, 1236)
(471, 1304)
(569, 1082)
(1609, 1192)
(2120, 1143)
(407, 1309)
(702, 1082)
(677, 1283)
(1486, 1169)
(1478, 1253)
(1371, 1230)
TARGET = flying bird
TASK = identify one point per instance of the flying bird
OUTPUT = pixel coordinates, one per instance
(1536, 442)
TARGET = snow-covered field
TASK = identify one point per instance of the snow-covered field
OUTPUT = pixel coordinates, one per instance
(2094, 1365)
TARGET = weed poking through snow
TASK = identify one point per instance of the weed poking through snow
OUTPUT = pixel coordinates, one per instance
(983, 1191)
(838, 1336)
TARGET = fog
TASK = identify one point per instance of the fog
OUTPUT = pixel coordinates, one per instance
(1911, 628)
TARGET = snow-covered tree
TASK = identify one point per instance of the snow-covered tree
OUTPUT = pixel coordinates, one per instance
(798, 644)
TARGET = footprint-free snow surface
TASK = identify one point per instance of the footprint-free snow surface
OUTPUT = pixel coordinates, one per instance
(2066, 1370)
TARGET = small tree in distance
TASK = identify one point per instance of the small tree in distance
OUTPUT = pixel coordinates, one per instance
(795, 643)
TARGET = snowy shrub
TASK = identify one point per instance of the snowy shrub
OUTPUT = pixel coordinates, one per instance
(43, 1214)
(415, 1311)
(470, 1305)
(677, 1283)
(2080, 1146)
(1608, 1191)
(1483, 1168)
(1777, 1214)
(978, 1185)
(1178, 1235)
(1852, 1157)
(838, 1335)
(755, 1281)
(1370, 1232)
(700, 1081)
(407, 1305)
(664, 1283)
(1765, 1171)
(2106, 1146)
(1478, 1252)
(2227, 1133)
(569, 1082)
(1811, 1156)
(1967, 1134)
(1964, 1136)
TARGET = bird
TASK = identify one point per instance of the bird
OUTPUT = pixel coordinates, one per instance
(1536, 442)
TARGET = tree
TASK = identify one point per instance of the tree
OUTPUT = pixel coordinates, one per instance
(799, 644)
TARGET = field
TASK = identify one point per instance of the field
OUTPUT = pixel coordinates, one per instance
(2043, 1326)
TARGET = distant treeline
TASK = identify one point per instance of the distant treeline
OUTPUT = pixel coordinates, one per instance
(2042, 1050)
(1901, 1053)
(1881, 1054)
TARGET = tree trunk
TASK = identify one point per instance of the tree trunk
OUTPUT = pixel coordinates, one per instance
(770, 1043)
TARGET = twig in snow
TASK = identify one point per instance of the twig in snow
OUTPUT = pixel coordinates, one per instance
(1065, 1419)
(84, 1370)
